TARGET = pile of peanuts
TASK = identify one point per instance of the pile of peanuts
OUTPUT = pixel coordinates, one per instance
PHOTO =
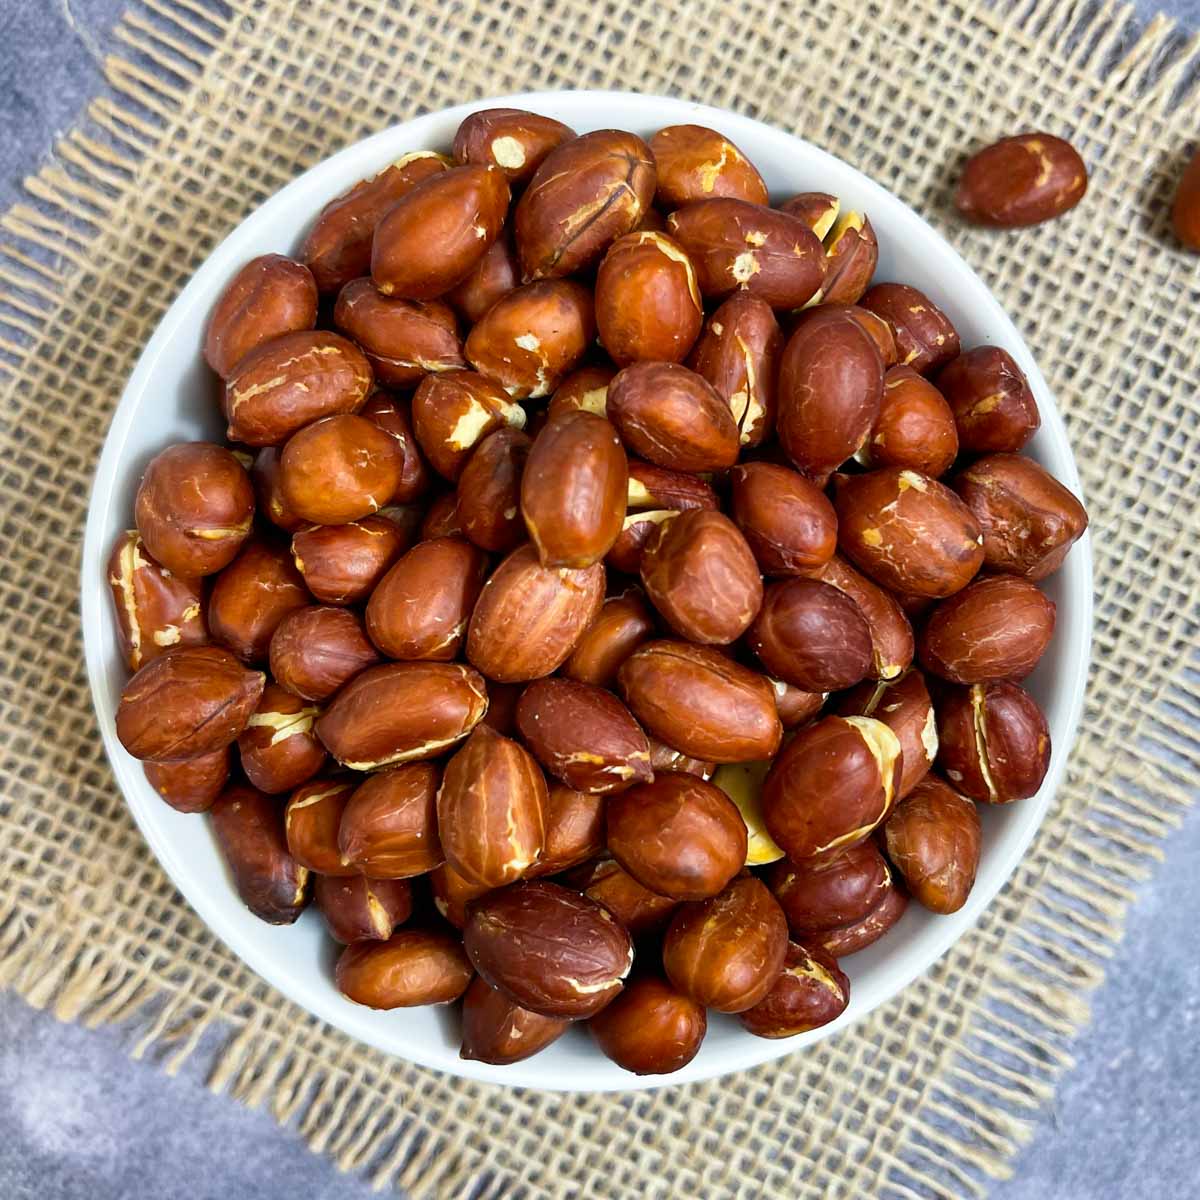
(553, 609)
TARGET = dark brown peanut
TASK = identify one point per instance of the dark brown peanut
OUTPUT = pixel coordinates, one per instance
(892, 645)
(650, 1028)
(489, 491)
(727, 952)
(529, 618)
(810, 992)
(394, 415)
(819, 895)
(357, 909)
(249, 831)
(496, 274)
(623, 624)
(787, 521)
(915, 427)
(641, 911)
(574, 824)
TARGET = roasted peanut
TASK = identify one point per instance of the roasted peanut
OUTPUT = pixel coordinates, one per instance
(414, 966)
(357, 909)
(509, 138)
(311, 822)
(993, 404)
(925, 337)
(1021, 180)
(389, 825)
(496, 1030)
(697, 163)
(787, 521)
(489, 491)
(251, 596)
(192, 785)
(650, 1028)
(915, 427)
(810, 992)
(623, 624)
(342, 564)
(317, 649)
(278, 748)
(892, 645)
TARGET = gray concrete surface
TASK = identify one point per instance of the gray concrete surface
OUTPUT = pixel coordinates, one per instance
(80, 1119)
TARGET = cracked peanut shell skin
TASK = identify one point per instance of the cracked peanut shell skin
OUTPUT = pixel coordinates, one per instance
(389, 827)
(821, 894)
(583, 735)
(290, 382)
(810, 992)
(490, 809)
(401, 712)
(549, 949)
(933, 839)
(529, 618)
(586, 194)
(193, 700)
(698, 163)
(925, 337)
(278, 749)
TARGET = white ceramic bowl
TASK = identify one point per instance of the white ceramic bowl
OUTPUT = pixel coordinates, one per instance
(170, 397)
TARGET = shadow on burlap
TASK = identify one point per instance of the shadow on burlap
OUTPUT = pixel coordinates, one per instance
(932, 1095)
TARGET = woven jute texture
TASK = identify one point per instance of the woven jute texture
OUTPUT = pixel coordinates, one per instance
(207, 116)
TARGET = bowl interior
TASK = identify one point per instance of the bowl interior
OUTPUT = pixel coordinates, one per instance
(172, 396)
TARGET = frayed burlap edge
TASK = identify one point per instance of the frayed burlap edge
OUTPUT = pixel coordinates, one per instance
(994, 1042)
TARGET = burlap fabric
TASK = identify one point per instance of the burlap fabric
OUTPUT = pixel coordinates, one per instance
(207, 118)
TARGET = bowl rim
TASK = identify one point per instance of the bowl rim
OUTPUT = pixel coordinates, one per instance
(660, 110)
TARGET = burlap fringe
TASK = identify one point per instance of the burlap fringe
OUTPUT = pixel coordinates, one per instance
(1027, 1007)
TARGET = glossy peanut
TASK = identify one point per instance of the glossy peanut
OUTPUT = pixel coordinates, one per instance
(879, 331)
(697, 163)
(509, 138)
(586, 194)
(404, 340)
(452, 893)
(796, 707)
(677, 835)
(904, 706)
(583, 735)
(193, 508)
(830, 388)
(489, 809)
(496, 1030)
(915, 427)
(264, 475)
(998, 628)
(338, 246)
(908, 532)
(994, 742)
(453, 412)
(357, 909)
(639, 910)
(422, 605)
(738, 353)
(249, 832)
(317, 649)
(810, 992)
(342, 564)
(193, 700)
(832, 785)
(933, 838)
(278, 748)
(270, 296)
(549, 949)
(529, 618)
(530, 339)
(192, 785)
(388, 828)
(1021, 180)
(650, 1028)
(251, 596)
(671, 416)
(849, 939)
(727, 952)
(496, 274)
(291, 381)
(394, 415)
(574, 828)
(667, 758)
(622, 625)
(401, 712)
(648, 304)
(851, 256)
(155, 609)
(700, 575)
(825, 893)
(788, 522)
(585, 387)
(311, 822)
(339, 469)
(736, 246)
(701, 702)
(435, 234)
(892, 644)
(925, 337)
(413, 967)
(1029, 520)
(994, 407)
(489, 491)
(573, 490)
(654, 487)
(809, 634)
